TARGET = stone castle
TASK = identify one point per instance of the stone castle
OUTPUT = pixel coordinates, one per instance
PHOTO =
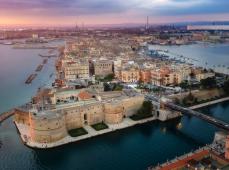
(52, 113)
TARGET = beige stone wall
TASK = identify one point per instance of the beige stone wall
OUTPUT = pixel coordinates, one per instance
(113, 112)
(76, 70)
(132, 105)
(21, 117)
(132, 75)
(103, 68)
(73, 119)
(84, 115)
(47, 129)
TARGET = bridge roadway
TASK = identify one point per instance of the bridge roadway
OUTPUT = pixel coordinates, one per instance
(6, 115)
(219, 123)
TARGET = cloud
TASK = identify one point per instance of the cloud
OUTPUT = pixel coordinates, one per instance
(137, 8)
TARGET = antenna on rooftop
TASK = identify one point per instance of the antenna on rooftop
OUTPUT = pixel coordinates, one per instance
(76, 27)
(147, 22)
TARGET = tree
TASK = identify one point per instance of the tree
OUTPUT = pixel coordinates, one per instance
(184, 84)
(109, 77)
(146, 108)
(118, 87)
(209, 82)
(226, 87)
(107, 87)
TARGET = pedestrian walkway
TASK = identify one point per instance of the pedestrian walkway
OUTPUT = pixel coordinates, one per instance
(25, 134)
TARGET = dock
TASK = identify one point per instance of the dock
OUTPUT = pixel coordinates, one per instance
(33, 47)
(39, 67)
(30, 78)
(6, 115)
(48, 55)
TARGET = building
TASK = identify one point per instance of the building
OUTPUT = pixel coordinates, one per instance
(208, 27)
(76, 69)
(130, 74)
(227, 148)
(103, 67)
(145, 75)
(74, 109)
(201, 74)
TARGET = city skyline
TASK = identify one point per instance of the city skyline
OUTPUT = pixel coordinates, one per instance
(99, 12)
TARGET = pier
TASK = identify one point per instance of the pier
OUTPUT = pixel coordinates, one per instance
(6, 115)
(30, 78)
(48, 55)
(33, 47)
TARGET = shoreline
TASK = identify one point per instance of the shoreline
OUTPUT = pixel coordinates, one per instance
(198, 106)
(127, 123)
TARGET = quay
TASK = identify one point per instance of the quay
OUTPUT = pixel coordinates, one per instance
(6, 115)
(182, 160)
(127, 122)
(39, 67)
(33, 47)
(48, 56)
(30, 78)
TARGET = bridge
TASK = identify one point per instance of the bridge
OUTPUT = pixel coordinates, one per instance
(167, 103)
(219, 123)
(6, 115)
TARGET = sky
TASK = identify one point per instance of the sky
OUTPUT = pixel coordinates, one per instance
(97, 12)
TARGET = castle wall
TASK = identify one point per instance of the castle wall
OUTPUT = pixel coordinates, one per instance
(132, 105)
(84, 115)
(46, 129)
(53, 126)
(113, 112)
(21, 117)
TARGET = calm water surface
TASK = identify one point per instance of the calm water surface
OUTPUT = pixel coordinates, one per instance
(216, 55)
(134, 148)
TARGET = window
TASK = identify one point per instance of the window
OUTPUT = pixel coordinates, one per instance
(85, 117)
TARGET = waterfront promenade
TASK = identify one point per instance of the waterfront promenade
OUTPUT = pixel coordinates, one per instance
(127, 122)
(210, 103)
(181, 161)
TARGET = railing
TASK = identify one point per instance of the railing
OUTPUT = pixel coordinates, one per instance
(219, 123)
(6, 115)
